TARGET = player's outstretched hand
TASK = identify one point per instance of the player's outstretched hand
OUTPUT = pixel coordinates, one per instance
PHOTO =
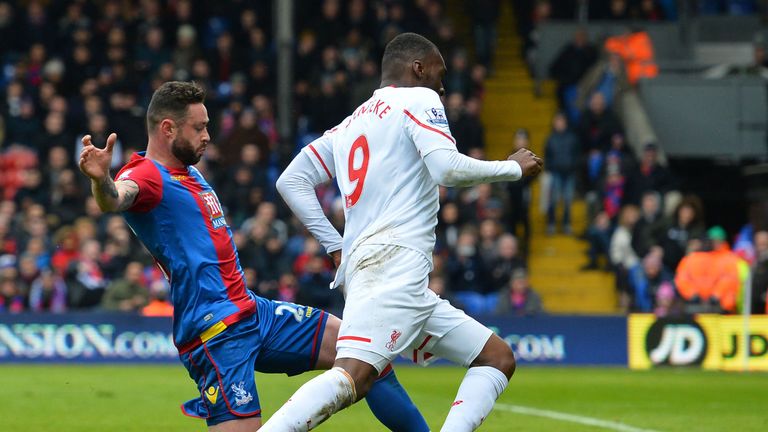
(95, 162)
(529, 162)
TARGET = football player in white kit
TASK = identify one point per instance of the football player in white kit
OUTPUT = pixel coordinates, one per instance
(388, 157)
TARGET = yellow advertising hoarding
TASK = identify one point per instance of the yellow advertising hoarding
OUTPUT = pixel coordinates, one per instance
(709, 341)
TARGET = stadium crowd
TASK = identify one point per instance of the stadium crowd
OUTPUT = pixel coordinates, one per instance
(77, 67)
(641, 227)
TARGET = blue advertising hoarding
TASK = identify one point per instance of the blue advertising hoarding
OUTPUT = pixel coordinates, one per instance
(119, 338)
(564, 340)
(86, 337)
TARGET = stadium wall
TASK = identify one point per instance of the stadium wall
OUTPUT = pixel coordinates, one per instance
(121, 338)
(640, 341)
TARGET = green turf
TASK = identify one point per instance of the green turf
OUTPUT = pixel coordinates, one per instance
(146, 398)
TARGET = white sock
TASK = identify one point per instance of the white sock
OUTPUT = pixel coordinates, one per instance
(314, 402)
(477, 393)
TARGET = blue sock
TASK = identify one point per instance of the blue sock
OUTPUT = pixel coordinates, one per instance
(390, 404)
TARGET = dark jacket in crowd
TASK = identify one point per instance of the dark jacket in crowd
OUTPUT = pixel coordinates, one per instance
(562, 152)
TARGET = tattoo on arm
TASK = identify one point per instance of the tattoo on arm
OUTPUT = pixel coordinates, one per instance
(130, 191)
(109, 188)
(112, 199)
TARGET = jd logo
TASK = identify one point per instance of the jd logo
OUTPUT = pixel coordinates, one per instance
(676, 342)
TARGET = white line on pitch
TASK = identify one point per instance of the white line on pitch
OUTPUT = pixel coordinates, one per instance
(588, 421)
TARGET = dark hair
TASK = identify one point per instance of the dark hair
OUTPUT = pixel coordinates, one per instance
(405, 48)
(171, 100)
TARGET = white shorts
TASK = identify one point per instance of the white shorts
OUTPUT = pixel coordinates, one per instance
(389, 311)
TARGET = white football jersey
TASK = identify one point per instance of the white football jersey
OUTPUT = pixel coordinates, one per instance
(376, 156)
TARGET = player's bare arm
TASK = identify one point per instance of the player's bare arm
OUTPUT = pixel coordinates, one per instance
(94, 162)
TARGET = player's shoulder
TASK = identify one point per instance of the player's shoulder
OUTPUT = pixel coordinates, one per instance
(137, 166)
(416, 101)
(415, 95)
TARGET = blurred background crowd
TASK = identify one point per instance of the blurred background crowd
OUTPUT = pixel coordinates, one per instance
(79, 67)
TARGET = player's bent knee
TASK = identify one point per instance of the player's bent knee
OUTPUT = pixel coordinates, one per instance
(362, 374)
(498, 354)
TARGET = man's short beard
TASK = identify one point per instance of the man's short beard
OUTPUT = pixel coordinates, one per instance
(183, 151)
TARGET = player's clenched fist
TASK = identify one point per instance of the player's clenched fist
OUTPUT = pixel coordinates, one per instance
(95, 162)
(529, 162)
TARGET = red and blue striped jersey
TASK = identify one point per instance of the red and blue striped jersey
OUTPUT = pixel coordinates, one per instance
(179, 219)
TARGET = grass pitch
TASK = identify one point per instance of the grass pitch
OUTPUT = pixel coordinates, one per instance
(147, 398)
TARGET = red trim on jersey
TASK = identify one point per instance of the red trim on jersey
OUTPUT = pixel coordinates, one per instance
(147, 177)
(385, 372)
(189, 414)
(355, 338)
(228, 321)
(416, 351)
(231, 277)
(327, 171)
(222, 389)
(424, 343)
(428, 127)
(315, 354)
(205, 387)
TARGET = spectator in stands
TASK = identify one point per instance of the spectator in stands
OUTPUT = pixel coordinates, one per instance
(467, 274)
(48, 293)
(570, 65)
(53, 135)
(668, 304)
(599, 238)
(288, 288)
(597, 125)
(562, 153)
(539, 14)
(31, 191)
(488, 246)
(158, 305)
(314, 282)
(712, 280)
(466, 126)
(448, 227)
(65, 240)
(23, 127)
(506, 262)
(618, 10)
(614, 187)
(519, 194)
(85, 278)
(458, 79)
(648, 10)
(650, 175)
(12, 291)
(519, 298)
(94, 70)
(636, 49)
(622, 256)
(127, 294)
(485, 13)
(66, 197)
(687, 223)
(645, 279)
(608, 77)
(649, 223)
(760, 273)
(12, 296)
(246, 132)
